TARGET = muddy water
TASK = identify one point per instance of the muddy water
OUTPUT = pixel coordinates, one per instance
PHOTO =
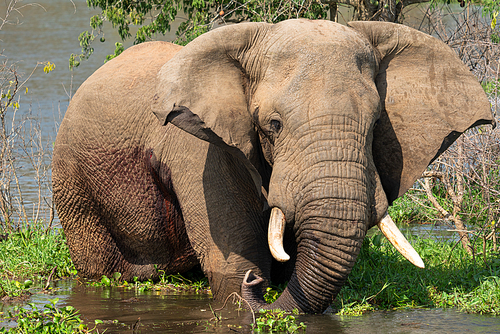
(161, 312)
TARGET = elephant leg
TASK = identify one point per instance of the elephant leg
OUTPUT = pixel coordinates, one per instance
(94, 252)
(92, 248)
(118, 218)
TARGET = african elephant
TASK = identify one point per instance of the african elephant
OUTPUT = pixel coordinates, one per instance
(169, 157)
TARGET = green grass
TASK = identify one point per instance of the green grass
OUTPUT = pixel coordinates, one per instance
(383, 279)
(28, 256)
(405, 211)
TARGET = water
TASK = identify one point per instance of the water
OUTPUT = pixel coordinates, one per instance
(48, 31)
(39, 33)
(161, 312)
(438, 232)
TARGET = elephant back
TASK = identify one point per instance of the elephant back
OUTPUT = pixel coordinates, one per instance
(117, 95)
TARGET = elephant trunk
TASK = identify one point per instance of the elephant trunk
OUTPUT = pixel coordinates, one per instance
(327, 250)
(329, 196)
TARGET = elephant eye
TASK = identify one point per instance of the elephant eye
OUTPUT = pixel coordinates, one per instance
(276, 125)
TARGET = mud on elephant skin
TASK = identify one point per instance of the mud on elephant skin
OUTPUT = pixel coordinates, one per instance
(170, 156)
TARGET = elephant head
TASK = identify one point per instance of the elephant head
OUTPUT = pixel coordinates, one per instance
(346, 117)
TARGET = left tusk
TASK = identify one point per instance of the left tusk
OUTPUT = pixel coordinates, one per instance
(394, 235)
(275, 235)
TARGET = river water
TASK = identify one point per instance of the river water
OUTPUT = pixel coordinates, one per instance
(41, 32)
(161, 312)
(49, 32)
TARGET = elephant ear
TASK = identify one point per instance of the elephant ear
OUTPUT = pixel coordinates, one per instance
(428, 98)
(202, 90)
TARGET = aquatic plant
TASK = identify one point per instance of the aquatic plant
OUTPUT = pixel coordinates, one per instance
(177, 282)
(279, 321)
(49, 319)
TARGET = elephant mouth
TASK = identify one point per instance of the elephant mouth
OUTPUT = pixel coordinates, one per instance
(386, 225)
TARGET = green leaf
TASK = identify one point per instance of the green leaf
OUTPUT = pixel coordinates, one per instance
(494, 20)
(28, 282)
(105, 280)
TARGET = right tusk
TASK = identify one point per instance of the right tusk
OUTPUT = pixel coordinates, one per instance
(275, 235)
(394, 235)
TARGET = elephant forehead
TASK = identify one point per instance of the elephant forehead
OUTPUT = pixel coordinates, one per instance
(328, 79)
(311, 55)
(319, 40)
(314, 28)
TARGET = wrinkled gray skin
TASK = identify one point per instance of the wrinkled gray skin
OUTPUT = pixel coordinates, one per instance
(163, 152)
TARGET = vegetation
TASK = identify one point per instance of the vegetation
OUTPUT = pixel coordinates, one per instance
(50, 319)
(155, 17)
(491, 8)
(383, 279)
(29, 256)
(277, 321)
(197, 283)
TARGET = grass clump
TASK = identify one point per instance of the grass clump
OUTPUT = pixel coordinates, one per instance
(484, 299)
(197, 283)
(383, 279)
(50, 319)
(29, 255)
(279, 321)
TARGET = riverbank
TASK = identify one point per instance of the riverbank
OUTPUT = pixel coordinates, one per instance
(380, 280)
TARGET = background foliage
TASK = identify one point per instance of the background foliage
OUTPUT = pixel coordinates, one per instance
(155, 17)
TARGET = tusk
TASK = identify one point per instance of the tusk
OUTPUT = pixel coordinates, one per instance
(394, 235)
(275, 235)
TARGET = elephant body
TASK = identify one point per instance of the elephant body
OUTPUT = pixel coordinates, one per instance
(91, 166)
(116, 198)
(169, 157)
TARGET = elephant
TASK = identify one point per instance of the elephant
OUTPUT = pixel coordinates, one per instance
(299, 134)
